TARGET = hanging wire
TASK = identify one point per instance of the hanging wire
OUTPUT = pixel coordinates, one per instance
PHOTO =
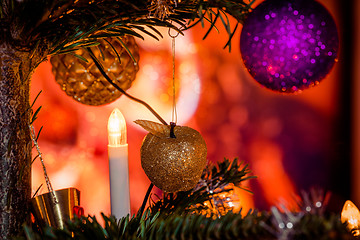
(47, 180)
(174, 112)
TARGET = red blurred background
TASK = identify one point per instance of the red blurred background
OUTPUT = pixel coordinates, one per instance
(291, 142)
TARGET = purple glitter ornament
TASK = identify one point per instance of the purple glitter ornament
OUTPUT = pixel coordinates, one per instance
(289, 45)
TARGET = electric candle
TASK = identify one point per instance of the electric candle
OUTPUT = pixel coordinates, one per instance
(351, 215)
(118, 165)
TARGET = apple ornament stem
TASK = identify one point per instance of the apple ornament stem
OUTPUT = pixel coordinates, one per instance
(173, 157)
(118, 165)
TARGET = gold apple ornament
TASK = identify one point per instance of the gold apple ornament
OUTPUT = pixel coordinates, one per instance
(173, 157)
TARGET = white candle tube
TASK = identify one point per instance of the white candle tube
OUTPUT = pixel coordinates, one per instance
(118, 165)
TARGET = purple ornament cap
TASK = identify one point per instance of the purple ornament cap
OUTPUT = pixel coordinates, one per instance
(288, 46)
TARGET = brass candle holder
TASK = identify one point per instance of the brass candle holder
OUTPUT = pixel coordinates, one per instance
(55, 211)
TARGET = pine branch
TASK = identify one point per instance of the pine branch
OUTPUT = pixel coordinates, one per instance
(178, 216)
(315, 226)
(192, 226)
(213, 182)
(64, 25)
(230, 226)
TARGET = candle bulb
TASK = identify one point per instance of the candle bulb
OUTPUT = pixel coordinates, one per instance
(350, 214)
(117, 129)
(118, 165)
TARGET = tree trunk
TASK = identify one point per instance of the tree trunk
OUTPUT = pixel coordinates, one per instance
(16, 67)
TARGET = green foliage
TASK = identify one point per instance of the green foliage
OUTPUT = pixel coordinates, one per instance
(314, 226)
(178, 216)
(192, 226)
(66, 25)
(229, 226)
(213, 181)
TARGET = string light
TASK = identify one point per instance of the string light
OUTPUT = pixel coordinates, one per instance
(350, 214)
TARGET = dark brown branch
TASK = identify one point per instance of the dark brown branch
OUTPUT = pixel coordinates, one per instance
(142, 208)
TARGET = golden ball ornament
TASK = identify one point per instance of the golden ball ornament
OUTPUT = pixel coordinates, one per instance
(172, 164)
(83, 81)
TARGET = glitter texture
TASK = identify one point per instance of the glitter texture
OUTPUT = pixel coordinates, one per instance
(174, 164)
(288, 46)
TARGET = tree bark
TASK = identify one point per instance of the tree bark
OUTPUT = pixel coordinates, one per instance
(16, 67)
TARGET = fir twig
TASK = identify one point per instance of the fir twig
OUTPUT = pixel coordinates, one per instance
(192, 226)
(174, 217)
(63, 25)
(213, 181)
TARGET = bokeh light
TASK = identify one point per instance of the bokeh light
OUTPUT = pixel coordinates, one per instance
(282, 138)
